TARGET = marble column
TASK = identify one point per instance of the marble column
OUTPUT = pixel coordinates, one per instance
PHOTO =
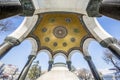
(26, 68)
(110, 8)
(50, 65)
(9, 8)
(69, 65)
(112, 44)
(92, 67)
(9, 43)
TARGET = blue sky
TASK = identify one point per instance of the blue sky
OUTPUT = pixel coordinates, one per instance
(18, 55)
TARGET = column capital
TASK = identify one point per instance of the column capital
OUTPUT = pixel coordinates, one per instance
(13, 41)
(9, 43)
(87, 58)
(112, 44)
(93, 8)
(28, 7)
(107, 42)
(68, 62)
(50, 61)
(31, 56)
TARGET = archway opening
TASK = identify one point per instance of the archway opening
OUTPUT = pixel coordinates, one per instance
(97, 53)
(59, 58)
(78, 60)
(43, 58)
(18, 55)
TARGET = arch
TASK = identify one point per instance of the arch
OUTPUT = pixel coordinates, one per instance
(34, 45)
(77, 60)
(43, 57)
(86, 45)
(46, 51)
(61, 55)
(25, 28)
(19, 54)
(95, 28)
(71, 53)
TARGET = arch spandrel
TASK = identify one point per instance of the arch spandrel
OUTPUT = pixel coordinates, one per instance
(60, 32)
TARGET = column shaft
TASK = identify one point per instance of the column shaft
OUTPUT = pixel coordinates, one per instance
(92, 67)
(9, 8)
(110, 8)
(112, 44)
(25, 70)
(9, 43)
(4, 48)
(115, 50)
(69, 65)
(50, 65)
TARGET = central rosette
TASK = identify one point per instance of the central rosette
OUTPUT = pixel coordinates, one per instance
(60, 32)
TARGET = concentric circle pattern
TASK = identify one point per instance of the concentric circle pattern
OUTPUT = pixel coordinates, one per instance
(60, 32)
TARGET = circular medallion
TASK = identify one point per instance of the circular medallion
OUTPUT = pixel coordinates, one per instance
(64, 44)
(60, 32)
(68, 20)
(55, 44)
(72, 39)
(44, 30)
(47, 39)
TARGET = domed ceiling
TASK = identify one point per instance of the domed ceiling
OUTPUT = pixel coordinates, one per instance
(60, 32)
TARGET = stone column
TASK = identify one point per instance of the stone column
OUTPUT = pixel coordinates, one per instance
(9, 8)
(69, 65)
(92, 67)
(7, 45)
(50, 65)
(26, 68)
(110, 8)
(112, 44)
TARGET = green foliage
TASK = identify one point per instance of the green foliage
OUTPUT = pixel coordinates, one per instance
(34, 71)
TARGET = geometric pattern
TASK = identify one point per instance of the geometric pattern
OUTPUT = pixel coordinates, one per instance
(60, 32)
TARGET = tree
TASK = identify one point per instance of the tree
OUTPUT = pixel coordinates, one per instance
(109, 58)
(10, 24)
(34, 71)
(4, 25)
(84, 74)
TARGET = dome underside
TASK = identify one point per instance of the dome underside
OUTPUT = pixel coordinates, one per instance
(59, 73)
(60, 32)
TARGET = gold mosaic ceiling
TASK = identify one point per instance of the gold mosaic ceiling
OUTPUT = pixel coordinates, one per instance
(58, 32)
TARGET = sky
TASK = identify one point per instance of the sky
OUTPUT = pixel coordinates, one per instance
(18, 55)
